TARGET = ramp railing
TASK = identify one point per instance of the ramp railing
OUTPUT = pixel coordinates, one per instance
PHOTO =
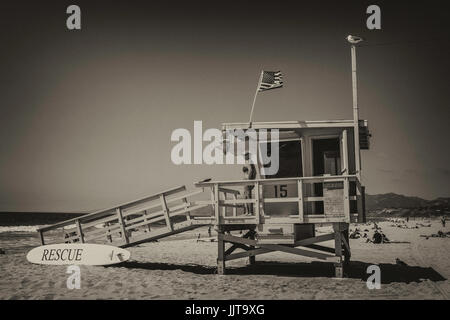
(160, 214)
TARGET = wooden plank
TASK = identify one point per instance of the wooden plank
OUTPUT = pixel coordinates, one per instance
(323, 219)
(300, 200)
(302, 252)
(363, 202)
(237, 201)
(108, 237)
(100, 221)
(280, 200)
(122, 225)
(236, 246)
(224, 209)
(41, 237)
(230, 191)
(220, 252)
(290, 124)
(134, 210)
(161, 213)
(337, 240)
(158, 234)
(161, 217)
(346, 200)
(277, 181)
(187, 205)
(181, 197)
(216, 203)
(321, 248)
(311, 199)
(166, 212)
(344, 241)
(80, 231)
(107, 233)
(252, 258)
(233, 239)
(321, 238)
(102, 230)
(257, 204)
(344, 143)
(239, 245)
(245, 254)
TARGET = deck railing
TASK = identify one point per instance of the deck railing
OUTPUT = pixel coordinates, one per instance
(304, 199)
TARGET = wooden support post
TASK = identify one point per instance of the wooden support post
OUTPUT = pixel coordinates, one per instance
(188, 213)
(338, 267)
(80, 231)
(252, 259)
(224, 208)
(346, 248)
(257, 202)
(300, 200)
(363, 201)
(108, 237)
(220, 252)
(234, 208)
(41, 237)
(145, 219)
(166, 212)
(216, 203)
(122, 225)
(346, 200)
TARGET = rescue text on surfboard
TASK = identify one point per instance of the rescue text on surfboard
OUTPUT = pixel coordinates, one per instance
(62, 255)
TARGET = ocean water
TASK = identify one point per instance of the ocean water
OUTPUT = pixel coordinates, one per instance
(31, 221)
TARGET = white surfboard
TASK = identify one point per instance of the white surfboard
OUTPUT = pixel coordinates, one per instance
(79, 254)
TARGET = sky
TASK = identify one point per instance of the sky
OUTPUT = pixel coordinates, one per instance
(86, 115)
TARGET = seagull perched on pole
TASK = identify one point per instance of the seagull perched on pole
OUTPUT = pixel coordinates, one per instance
(354, 39)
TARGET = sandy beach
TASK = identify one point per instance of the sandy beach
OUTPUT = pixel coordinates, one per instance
(184, 268)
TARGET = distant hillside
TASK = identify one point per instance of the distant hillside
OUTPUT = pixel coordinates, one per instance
(391, 204)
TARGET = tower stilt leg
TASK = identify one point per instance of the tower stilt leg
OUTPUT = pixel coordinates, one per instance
(252, 259)
(338, 267)
(220, 253)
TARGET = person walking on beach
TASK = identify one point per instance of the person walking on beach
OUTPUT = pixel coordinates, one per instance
(249, 171)
(443, 221)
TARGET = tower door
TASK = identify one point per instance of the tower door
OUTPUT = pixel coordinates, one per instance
(326, 160)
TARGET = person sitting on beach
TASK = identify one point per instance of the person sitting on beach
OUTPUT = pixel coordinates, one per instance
(377, 237)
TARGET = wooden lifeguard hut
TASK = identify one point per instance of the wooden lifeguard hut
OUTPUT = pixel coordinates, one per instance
(318, 183)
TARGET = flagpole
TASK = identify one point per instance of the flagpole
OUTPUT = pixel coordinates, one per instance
(355, 114)
(254, 98)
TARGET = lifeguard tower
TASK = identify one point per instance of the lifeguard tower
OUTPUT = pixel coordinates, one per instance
(318, 183)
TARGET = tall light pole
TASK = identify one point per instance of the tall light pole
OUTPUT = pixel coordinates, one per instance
(353, 40)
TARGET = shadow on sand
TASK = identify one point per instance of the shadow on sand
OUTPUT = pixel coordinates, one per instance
(390, 273)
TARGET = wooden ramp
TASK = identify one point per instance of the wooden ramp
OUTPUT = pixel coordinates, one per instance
(157, 216)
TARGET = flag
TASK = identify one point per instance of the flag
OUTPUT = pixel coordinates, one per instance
(271, 80)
